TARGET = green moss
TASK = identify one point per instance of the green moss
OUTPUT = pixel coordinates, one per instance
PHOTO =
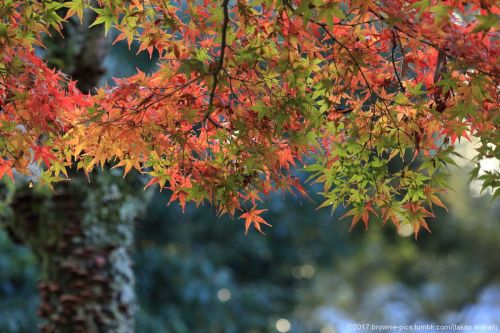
(82, 237)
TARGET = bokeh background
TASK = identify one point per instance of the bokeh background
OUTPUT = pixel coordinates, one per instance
(199, 273)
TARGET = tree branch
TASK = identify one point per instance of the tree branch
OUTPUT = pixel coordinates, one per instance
(393, 58)
(220, 62)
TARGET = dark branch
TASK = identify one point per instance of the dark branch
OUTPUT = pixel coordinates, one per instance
(393, 58)
(220, 62)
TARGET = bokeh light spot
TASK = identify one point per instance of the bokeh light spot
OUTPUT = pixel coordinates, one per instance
(224, 295)
(283, 325)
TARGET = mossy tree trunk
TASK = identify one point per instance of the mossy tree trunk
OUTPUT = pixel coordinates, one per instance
(82, 236)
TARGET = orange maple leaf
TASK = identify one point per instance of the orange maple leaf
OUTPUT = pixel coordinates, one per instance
(418, 216)
(252, 217)
(285, 158)
(360, 213)
(432, 198)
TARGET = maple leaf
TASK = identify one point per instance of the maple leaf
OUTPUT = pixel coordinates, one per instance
(125, 34)
(360, 213)
(285, 158)
(390, 213)
(128, 164)
(43, 153)
(74, 7)
(432, 198)
(179, 190)
(6, 169)
(252, 218)
(253, 196)
(417, 217)
(104, 15)
(181, 196)
(152, 181)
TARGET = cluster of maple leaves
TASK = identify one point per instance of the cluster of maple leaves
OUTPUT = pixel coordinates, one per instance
(369, 96)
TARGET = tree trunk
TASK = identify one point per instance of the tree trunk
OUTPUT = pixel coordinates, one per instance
(82, 237)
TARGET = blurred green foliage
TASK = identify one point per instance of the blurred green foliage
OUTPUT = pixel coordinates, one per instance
(18, 294)
(198, 273)
(200, 260)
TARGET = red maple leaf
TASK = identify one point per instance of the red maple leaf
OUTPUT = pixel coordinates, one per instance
(44, 154)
